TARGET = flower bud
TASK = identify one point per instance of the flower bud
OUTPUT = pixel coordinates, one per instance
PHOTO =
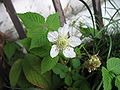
(93, 63)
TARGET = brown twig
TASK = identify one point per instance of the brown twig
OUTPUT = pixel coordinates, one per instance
(12, 13)
(58, 8)
(98, 13)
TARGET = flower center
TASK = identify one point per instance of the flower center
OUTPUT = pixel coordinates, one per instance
(62, 42)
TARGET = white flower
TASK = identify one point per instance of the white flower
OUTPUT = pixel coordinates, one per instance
(64, 40)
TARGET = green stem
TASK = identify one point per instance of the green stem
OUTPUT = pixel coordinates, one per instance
(99, 86)
(24, 51)
(110, 48)
(86, 52)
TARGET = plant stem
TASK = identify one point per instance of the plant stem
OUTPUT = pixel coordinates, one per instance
(98, 88)
(110, 48)
(86, 52)
(23, 48)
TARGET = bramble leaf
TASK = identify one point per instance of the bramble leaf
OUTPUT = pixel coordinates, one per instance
(107, 79)
(32, 21)
(9, 49)
(53, 22)
(32, 71)
(15, 73)
(68, 80)
(75, 63)
(61, 70)
(117, 82)
(41, 51)
(113, 65)
(48, 63)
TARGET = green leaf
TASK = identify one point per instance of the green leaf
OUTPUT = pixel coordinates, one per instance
(34, 24)
(68, 80)
(39, 38)
(32, 71)
(32, 20)
(107, 79)
(76, 76)
(41, 51)
(15, 73)
(81, 84)
(31, 89)
(23, 82)
(26, 43)
(56, 81)
(75, 63)
(113, 65)
(96, 33)
(48, 63)
(53, 21)
(85, 31)
(91, 32)
(117, 82)
(73, 88)
(61, 70)
(63, 75)
(9, 49)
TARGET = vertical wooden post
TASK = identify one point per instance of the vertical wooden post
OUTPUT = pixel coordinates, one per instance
(58, 8)
(98, 13)
(12, 13)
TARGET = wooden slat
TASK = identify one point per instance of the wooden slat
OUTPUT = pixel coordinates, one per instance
(58, 8)
(98, 13)
(12, 13)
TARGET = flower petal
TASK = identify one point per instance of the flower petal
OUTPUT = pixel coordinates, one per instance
(63, 31)
(52, 36)
(54, 51)
(74, 32)
(69, 52)
(74, 41)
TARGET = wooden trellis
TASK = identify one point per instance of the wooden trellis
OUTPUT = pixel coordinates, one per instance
(58, 8)
(57, 5)
(12, 13)
(97, 13)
